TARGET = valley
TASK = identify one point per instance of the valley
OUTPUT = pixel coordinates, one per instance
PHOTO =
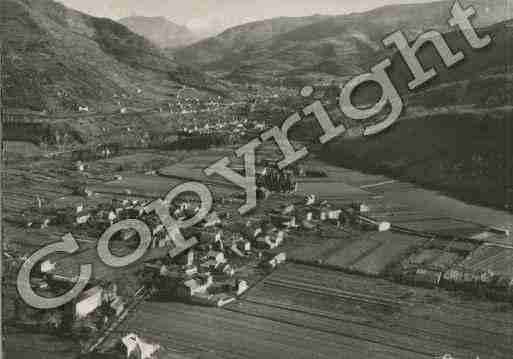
(395, 245)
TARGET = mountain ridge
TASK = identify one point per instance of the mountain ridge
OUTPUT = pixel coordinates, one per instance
(326, 48)
(58, 59)
(160, 31)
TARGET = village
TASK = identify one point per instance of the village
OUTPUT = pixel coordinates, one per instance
(317, 243)
(321, 237)
(305, 216)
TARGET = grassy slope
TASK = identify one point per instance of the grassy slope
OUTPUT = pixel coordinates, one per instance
(58, 58)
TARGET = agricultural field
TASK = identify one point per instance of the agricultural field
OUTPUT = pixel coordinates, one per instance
(336, 301)
(305, 312)
(393, 247)
(490, 258)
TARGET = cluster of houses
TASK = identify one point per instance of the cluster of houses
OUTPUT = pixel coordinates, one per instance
(449, 268)
(274, 179)
(190, 104)
(94, 310)
(215, 271)
(209, 273)
(237, 125)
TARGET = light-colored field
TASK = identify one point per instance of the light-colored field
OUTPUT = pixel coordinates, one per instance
(306, 312)
(496, 259)
(25, 149)
(411, 203)
(393, 247)
(346, 256)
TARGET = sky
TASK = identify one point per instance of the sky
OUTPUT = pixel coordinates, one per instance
(210, 16)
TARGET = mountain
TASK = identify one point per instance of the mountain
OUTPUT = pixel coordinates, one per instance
(319, 48)
(239, 40)
(160, 31)
(57, 59)
(455, 133)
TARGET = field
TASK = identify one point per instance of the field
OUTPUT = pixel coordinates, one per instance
(490, 258)
(392, 247)
(306, 312)
(317, 310)
(457, 153)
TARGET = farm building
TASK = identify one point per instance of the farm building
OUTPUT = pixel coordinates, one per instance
(88, 302)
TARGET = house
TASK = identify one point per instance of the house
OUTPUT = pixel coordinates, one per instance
(212, 220)
(291, 224)
(241, 245)
(361, 207)
(217, 257)
(88, 302)
(158, 229)
(235, 249)
(280, 237)
(242, 287)
(218, 240)
(266, 242)
(137, 348)
(83, 217)
(39, 202)
(193, 286)
(334, 214)
(190, 270)
(112, 217)
(277, 260)
(80, 166)
(210, 264)
(226, 269)
(68, 237)
(110, 296)
(47, 266)
(379, 226)
(427, 277)
(486, 276)
(310, 200)
(257, 232)
(217, 300)
(453, 275)
(45, 223)
(384, 226)
(190, 258)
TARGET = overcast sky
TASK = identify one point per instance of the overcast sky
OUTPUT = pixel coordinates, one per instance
(220, 14)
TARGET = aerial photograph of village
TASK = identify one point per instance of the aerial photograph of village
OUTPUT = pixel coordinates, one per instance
(237, 179)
